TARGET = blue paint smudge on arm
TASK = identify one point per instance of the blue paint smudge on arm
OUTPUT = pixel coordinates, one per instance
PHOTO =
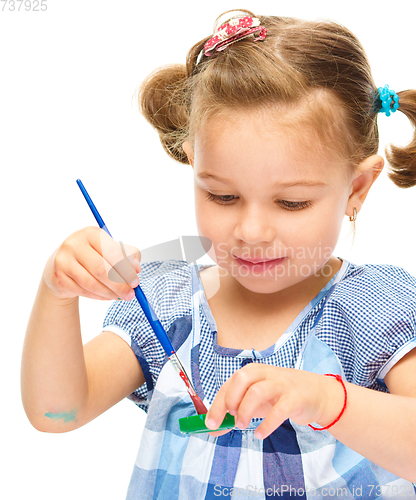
(67, 417)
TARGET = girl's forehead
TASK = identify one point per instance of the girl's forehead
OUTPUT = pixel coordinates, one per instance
(316, 124)
(237, 141)
(254, 132)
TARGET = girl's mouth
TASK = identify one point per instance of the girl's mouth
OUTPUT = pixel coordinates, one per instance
(259, 266)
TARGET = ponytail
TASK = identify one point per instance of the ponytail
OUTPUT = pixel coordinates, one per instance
(403, 159)
(161, 101)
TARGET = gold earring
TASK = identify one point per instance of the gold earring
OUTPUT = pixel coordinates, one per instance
(354, 217)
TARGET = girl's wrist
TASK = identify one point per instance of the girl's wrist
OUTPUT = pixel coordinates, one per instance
(46, 292)
(334, 401)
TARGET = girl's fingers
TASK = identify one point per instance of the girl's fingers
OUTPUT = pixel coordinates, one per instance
(122, 261)
(240, 382)
(260, 390)
(126, 269)
(231, 393)
(91, 275)
(99, 266)
(218, 408)
(256, 402)
(74, 289)
(280, 412)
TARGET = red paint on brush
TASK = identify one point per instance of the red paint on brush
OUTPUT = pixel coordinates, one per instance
(196, 400)
(199, 405)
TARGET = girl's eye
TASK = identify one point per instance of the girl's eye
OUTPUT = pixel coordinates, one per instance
(220, 199)
(287, 205)
(295, 205)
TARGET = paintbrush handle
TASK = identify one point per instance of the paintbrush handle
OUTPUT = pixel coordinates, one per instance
(154, 321)
(94, 210)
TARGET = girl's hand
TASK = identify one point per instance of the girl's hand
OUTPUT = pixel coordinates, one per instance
(264, 391)
(82, 264)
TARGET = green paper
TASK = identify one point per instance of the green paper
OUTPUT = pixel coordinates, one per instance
(196, 424)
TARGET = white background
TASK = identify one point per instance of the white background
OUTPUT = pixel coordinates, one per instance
(67, 81)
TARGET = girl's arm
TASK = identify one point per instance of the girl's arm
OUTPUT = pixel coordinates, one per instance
(377, 425)
(54, 383)
(64, 384)
(382, 426)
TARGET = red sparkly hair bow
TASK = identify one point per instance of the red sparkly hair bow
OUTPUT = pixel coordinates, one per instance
(232, 31)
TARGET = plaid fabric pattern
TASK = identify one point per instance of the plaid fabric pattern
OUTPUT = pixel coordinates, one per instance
(359, 325)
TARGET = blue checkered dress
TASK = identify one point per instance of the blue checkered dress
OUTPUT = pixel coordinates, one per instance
(359, 325)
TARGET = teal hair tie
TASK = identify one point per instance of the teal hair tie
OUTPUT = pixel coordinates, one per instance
(386, 97)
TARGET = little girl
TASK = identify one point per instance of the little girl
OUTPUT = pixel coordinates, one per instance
(312, 354)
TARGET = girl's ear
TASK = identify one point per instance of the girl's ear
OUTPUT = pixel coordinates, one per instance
(367, 172)
(187, 147)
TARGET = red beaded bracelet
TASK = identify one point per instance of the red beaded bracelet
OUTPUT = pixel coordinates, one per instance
(339, 378)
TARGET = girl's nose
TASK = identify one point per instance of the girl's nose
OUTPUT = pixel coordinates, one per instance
(254, 225)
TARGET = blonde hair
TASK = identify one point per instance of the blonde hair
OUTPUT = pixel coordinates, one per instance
(320, 63)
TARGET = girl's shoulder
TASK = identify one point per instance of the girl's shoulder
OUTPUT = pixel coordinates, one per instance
(369, 321)
(388, 274)
(376, 286)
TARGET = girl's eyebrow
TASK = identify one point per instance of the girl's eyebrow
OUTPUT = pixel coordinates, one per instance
(310, 183)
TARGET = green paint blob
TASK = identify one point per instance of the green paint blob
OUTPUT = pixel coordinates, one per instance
(66, 416)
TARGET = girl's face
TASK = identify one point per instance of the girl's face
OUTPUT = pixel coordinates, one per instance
(264, 193)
